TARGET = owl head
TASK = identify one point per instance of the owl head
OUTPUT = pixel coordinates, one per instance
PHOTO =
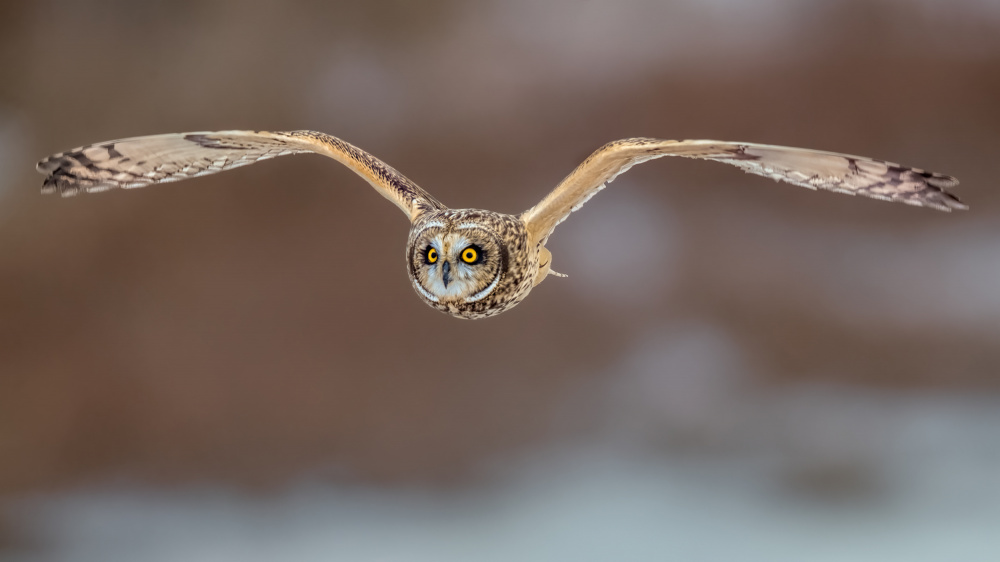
(460, 261)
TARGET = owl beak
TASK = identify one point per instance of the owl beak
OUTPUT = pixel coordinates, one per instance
(446, 273)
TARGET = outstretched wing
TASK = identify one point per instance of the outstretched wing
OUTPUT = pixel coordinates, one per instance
(141, 161)
(815, 169)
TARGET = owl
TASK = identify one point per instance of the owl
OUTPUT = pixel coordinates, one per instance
(473, 263)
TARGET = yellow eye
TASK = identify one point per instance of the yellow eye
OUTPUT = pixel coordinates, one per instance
(470, 255)
(432, 255)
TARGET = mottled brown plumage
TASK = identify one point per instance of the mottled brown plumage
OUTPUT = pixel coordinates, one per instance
(474, 263)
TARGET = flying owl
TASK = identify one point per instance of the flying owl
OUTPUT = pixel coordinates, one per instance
(474, 263)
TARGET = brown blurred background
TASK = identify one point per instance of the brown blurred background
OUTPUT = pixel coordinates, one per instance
(256, 327)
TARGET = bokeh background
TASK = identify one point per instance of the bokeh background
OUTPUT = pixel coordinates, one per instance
(236, 368)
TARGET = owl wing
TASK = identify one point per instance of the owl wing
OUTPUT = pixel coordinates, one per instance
(815, 169)
(141, 161)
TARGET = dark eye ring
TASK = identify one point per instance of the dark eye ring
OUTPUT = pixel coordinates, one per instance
(431, 254)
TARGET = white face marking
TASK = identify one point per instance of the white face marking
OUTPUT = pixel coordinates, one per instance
(484, 292)
(463, 279)
(424, 292)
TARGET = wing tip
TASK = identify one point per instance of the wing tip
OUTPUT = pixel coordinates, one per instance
(934, 199)
(65, 183)
(916, 187)
(952, 203)
(68, 173)
(58, 184)
(58, 179)
(938, 185)
(936, 194)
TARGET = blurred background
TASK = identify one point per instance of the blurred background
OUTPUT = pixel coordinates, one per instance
(236, 367)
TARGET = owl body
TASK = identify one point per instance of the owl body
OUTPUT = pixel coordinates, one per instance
(471, 263)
